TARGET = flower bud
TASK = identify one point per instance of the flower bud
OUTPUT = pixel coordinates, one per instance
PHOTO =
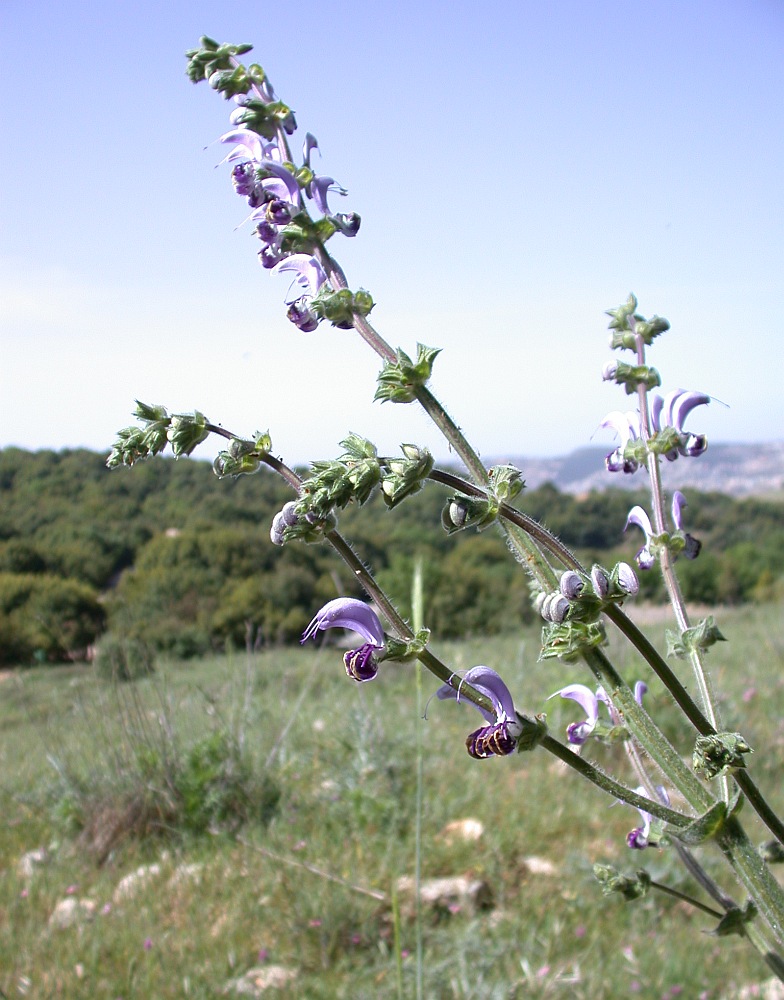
(571, 585)
(301, 316)
(348, 224)
(600, 582)
(278, 212)
(555, 608)
(627, 579)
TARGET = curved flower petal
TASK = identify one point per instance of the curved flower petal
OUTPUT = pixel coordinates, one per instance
(585, 698)
(320, 187)
(310, 143)
(248, 145)
(678, 503)
(491, 685)
(639, 517)
(346, 612)
(645, 558)
(656, 404)
(281, 181)
(626, 425)
(309, 273)
(682, 405)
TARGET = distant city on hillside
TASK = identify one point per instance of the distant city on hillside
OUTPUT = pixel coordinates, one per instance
(735, 469)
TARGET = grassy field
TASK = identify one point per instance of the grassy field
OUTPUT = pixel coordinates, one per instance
(324, 771)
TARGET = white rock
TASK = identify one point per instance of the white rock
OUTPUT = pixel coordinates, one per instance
(30, 861)
(540, 866)
(128, 887)
(457, 891)
(70, 911)
(771, 989)
(186, 873)
(463, 829)
(256, 981)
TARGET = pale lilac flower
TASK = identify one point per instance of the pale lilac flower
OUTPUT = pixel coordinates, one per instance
(310, 143)
(645, 558)
(347, 612)
(640, 838)
(281, 184)
(678, 503)
(248, 145)
(500, 736)
(671, 411)
(309, 275)
(285, 518)
(627, 427)
(320, 187)
(578, 732)
(692, 545)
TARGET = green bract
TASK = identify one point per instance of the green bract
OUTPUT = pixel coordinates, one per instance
(399, 379)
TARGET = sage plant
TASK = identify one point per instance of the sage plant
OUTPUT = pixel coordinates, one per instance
(685, 807)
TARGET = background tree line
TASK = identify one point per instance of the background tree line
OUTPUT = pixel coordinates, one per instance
(168, 555)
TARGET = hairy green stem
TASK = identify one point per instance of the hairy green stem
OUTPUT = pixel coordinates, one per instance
(763, 888)
(614, 788)
(649, 736)
(686, 899)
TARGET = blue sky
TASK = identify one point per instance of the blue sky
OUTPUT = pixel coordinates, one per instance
(519, 168)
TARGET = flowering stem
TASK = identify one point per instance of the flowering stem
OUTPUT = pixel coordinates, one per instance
(665, 559)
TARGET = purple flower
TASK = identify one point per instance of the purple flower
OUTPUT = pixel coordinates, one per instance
(320, 187)
(671, 411)
(499, 737)
(627, 427)
(645, 557)
(578, 732)
(692, 545)
(640, 837)
(346, 612)
(281, 184)
(309, 275)
(248, 145)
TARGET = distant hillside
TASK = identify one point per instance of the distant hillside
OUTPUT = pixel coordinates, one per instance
(735, 469)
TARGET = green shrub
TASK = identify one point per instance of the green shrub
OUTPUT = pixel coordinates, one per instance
(43, 617)
(123, 658)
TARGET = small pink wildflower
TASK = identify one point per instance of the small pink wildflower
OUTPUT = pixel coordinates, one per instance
(314, 923)
(147, 944)
(263, 954)
(71, 890)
